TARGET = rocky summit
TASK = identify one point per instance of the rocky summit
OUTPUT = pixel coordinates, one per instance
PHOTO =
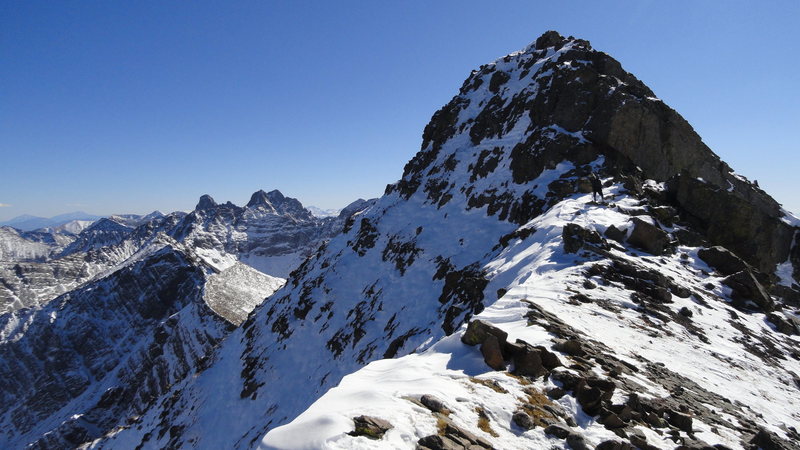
(487, 300)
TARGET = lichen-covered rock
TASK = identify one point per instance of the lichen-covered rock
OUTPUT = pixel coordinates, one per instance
(478, 330)
(371, 427)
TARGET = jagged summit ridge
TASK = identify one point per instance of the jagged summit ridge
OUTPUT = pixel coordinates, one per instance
(559, 99)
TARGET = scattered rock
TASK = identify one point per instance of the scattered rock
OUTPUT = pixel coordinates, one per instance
(767, 440)
(681, 421)
(577, 441)
(694, 444)
(612, 421)
(648, 237)
(746, 287)
(588, 284)
(556, 393)
(529, 363)
(523, 420)
(583, 185)
(685, 312)
(454, 437)
(614, 445)
(371, 427)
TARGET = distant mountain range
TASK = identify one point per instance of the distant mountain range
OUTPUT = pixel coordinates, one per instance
(27, 222)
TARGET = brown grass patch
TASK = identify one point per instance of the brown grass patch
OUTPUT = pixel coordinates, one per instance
(441, 425)
(483, 422)
(491, 384)
(533, 404)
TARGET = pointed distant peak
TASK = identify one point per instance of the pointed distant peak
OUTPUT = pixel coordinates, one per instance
(259, 198)
(206, 202)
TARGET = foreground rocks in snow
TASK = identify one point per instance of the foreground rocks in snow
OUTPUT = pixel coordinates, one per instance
(371, 427)
(452, 437)
(532, 361)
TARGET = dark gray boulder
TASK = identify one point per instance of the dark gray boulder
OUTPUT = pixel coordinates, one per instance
(648, 237)
(722, 259)
(747, 288)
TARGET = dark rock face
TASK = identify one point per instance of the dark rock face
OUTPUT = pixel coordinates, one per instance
(747, 288)
(746, 220)
(722, 259)
(648, 237)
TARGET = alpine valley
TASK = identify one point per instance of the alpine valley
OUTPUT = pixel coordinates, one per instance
(486, 300)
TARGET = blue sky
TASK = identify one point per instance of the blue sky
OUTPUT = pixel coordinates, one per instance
(127, 107)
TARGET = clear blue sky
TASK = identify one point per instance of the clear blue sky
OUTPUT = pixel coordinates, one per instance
(122, 106)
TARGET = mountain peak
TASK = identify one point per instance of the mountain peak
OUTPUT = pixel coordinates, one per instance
(259, 198)
(206, 202)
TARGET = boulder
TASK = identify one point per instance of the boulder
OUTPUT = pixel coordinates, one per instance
(722, 259)
(648, 237)
(577, 442)
(589, 398)
(492, 354)
(680, 421)
(433, 403)
(614, 445)
(572, 347)
(477, 330)
(523, 420)
(557, 430)
(746, 288)
(529, 363)
(371, 427)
